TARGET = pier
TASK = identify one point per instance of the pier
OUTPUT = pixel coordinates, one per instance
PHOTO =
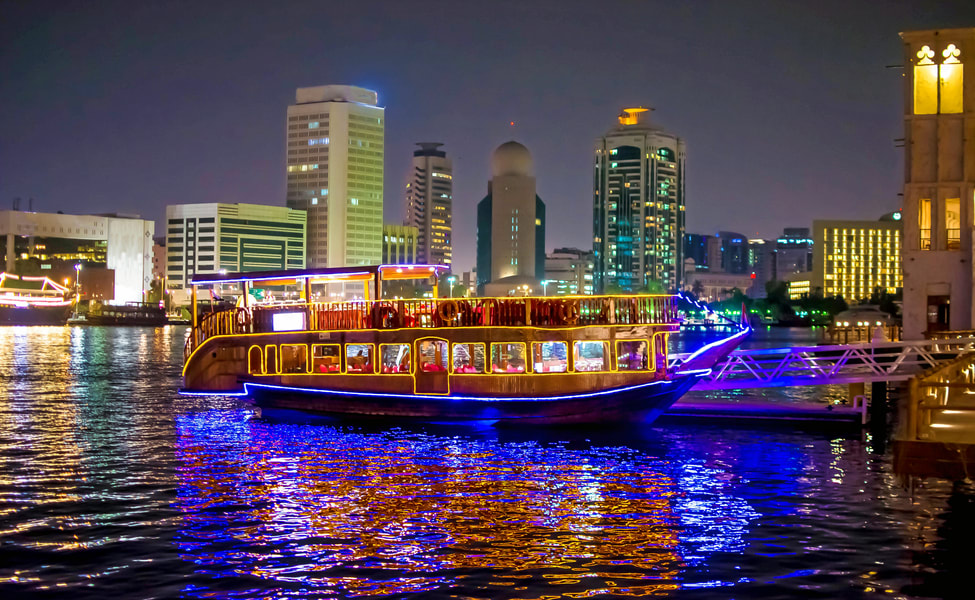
(881, 366)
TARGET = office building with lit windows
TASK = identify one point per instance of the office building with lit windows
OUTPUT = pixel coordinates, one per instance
(400, 245)
(568, 272)
(335, 173)
(939, 181)
(113, 253)
(853, 259)
(214, 237)
(429, 203)
(510, 226)
(638, 205)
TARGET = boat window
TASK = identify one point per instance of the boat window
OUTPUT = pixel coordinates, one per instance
(469, 358)
(326, 358)
(632, 355)
(591, 356)
(270, 359)
(358, 358)
(508, 358)
(255, 359)
(395, 358)
(432, 355)
(294, 358)
(550, 357)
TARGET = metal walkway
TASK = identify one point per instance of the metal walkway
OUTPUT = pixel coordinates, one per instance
(831, 365)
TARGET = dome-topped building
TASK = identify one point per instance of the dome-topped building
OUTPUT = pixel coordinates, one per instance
(511, 158)
(510, 225)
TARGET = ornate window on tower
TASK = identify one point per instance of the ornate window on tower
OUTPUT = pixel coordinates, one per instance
(938, 87)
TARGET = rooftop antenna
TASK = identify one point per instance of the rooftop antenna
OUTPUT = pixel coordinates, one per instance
(16, 203)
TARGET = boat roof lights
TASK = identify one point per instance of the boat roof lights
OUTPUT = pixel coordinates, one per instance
(324, 275)
(45, 281)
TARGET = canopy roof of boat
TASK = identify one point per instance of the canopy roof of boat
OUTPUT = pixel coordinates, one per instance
(26, 283)
(325, 275)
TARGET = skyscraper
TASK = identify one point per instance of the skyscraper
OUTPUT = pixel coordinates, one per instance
(638, 205)
(429, 202)
(939, 181)
(510, 225)
(335, 173)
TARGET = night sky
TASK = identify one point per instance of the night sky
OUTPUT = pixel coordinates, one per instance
(787, 109)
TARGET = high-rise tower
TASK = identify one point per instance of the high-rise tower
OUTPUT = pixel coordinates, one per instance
(429, 202)
(335, 173)
(638, 205)
(939, 181)
(510, 225)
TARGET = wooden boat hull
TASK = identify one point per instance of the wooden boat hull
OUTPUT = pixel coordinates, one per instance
(127, 321)
(34, 315)
(641, 402)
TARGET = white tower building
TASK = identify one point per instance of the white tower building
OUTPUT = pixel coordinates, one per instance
(335, 173)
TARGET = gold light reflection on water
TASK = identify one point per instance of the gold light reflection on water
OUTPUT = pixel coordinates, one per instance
(72, 437)
(38, 447)
(427, 516)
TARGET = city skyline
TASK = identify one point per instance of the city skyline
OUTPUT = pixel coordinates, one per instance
(769, 99)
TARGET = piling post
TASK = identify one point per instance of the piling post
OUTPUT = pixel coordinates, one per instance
(878, 403)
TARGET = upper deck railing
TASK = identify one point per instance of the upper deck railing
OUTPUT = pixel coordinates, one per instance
(443, 312)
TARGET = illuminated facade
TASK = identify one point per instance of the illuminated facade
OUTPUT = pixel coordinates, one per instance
(568, 272)
(335, 173)
(400, 245)
(510, 225)
(429, 203)
(939, 180)
(115, 251)
(638, 205)
(235, 238)
(855, 258)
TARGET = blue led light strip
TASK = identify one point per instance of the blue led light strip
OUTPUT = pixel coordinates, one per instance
(708, 310)
(249, 385)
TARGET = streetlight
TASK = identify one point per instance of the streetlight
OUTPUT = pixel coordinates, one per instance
(450, 281)
(77, 284)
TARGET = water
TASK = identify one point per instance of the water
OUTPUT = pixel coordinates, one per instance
(111, 485)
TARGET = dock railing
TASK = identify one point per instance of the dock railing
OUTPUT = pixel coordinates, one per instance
(562, 312)
(938, 393)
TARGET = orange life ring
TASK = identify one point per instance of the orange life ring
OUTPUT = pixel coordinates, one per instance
(570, 312)
(447, 310)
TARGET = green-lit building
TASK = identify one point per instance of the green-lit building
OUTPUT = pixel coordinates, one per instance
(209, 238)
(638, 206)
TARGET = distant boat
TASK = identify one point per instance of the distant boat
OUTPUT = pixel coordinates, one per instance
(526, 360)
(131, 313)
(26, 300)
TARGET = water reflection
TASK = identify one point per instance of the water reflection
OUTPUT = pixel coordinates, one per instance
(113, 486)
(400, 512)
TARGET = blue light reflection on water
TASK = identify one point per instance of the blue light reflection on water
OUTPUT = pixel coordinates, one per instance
(112, 485)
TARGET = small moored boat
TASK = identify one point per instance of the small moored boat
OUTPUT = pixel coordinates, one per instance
(548, 360)
(26, 300)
